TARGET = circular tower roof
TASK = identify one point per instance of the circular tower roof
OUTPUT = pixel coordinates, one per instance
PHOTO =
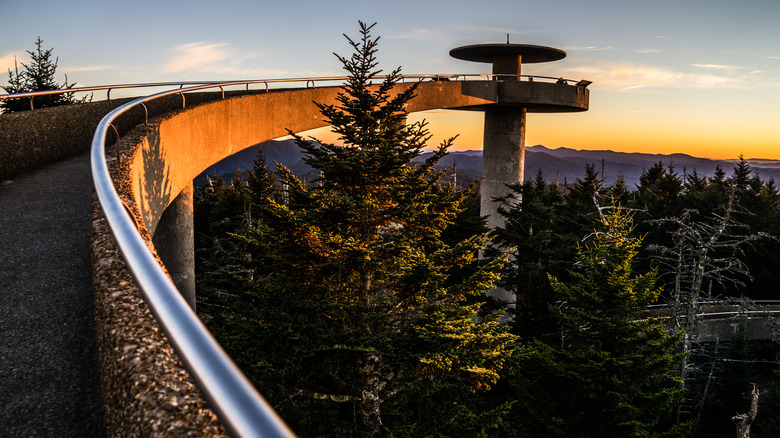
(487, 52)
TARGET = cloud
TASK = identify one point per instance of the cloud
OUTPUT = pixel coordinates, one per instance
(417, 35)
(716, 66)
(589, 48)
(773, 57)
(200, 57)
(224, 59)
(494, 30)
(646, 51)
(634, 87)
(7, 60)
(628, 76)
(79, 68)
(446, 35)
(661, 37)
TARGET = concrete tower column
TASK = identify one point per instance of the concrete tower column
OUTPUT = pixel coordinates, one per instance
(507, 64)
(503, 161)
(174, 240)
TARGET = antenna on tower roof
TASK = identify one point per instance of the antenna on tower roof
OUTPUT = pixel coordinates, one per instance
(507, 38)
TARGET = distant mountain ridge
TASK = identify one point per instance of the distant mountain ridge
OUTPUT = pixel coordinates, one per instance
(563, 164)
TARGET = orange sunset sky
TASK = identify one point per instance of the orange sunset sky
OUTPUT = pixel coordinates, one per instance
(669, 76)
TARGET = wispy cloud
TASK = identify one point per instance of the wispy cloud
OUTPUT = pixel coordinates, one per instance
(773, 57)
(661, 37)
(224, 59)
(632, 77)
(635, 87)
(78, 68)
(7, 60)
(646, 51)
(494, 30)
(200, 57)
(417, 35)
(446, 34)
(589, 48)
(716, 66)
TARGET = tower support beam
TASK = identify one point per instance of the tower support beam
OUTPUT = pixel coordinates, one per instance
(503, 163)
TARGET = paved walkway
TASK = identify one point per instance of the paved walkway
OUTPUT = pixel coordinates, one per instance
(48, 355)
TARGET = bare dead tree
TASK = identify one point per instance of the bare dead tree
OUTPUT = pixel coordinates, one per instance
(701, 252)
(743, 421)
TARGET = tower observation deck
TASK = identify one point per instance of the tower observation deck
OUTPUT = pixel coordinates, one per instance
(503, 155)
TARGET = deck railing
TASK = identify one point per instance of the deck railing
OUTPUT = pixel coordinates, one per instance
(267, 83)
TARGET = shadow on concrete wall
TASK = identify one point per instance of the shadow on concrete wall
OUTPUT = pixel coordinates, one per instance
(156, 193)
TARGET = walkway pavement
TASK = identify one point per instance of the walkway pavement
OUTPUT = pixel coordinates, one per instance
(48, 355)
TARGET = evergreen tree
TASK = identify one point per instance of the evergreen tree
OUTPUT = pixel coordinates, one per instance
(354, 304)
(741, 175)
(580, 210)
(38, 75)
(659, 191)
(261, 182)
(718, 190)
(608, 373)
(694, 189)
(535, 229)
(619, 191)
(16, 84)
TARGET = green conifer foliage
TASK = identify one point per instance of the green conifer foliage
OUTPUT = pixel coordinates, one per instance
(609, 373)
(542, 245)
(660, 190)
(38, 75)
(354, 301)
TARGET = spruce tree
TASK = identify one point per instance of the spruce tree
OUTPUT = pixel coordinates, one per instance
(354, 302)
(16, 84)
(38, 75)
(659, 191)
(608, 373)
(582, 199)
(542, 246)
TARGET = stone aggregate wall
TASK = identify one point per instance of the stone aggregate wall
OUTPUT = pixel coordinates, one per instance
(146, 389)
(30, 139)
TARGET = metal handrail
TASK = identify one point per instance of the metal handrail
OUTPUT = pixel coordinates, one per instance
(715, 302)
(108, 88)
(747, 313)
(99, 88)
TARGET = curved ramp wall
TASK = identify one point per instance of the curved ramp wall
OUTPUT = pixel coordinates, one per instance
(146, 389)
(178, 147)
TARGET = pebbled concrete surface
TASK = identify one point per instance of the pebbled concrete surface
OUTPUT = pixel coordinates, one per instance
(49, 382)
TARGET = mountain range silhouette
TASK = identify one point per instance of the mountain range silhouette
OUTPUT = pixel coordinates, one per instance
(561, 164)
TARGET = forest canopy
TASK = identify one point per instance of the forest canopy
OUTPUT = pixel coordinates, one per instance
(355, 302)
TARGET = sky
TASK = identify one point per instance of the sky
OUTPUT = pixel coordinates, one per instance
(669, 76)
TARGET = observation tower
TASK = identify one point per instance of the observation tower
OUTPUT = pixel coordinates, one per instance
(503, 154)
